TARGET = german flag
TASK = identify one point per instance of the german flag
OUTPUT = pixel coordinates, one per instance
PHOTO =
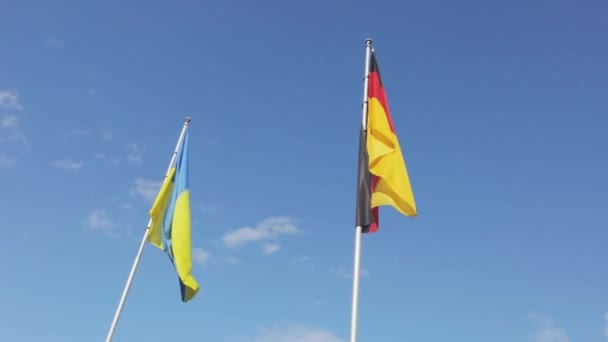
(382, 177)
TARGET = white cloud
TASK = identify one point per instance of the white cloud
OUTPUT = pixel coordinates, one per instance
(271, 248)
(148, 189)
(134, 154)
(342, 272)
(232, 260)
(200, 256)
(67, 164)
(98, 220)
(10, 129)
(114, 160)
(9, 121)
(109, 159)
(208, 209)
(80, 132)
(302, 260)
(210, 142)
(606, 324)
(10, 99)
(134, 159)
(106, 134)
(297, 333)
(7, 161)
(55, 42)
(546, 331)
(135, 148)
(267, 229)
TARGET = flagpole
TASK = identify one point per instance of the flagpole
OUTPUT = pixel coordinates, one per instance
(358, 229)
(125, 292)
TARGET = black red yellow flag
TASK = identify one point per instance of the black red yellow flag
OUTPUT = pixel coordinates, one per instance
(382, 177)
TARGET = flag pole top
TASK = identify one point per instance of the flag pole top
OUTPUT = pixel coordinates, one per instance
(368, 42)
(188, 119)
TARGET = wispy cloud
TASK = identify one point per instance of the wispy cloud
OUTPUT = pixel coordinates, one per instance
(7, 161)
(148, 189)
(296, 333)
(99, 221)
(80, 132)
(208, 209)
(270, 228)
(134, 154)
(232, 260)
(200, 256)
(546, 331)
(106, 134)
(134, 148)
(9, 121)
(10, 99)
(55, 42)
(10, 126)
(302, 260)
(210, 142)
(134, 159)
(342, 272)
(67, 164)
(271, 248)
(76, 132)
(108, 159)
(130, 154)
(10, 129)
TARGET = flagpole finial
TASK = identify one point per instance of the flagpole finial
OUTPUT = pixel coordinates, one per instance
(188, 119)
(368, 42)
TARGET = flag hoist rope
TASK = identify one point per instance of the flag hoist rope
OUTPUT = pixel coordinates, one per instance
(125, 292)
(358, 229)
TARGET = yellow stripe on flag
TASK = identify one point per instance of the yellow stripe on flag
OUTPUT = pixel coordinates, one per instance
(392, 186)
(181, 242)
(386, 161)
(158, 210)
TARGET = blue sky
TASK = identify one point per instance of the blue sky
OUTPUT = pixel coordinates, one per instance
(501, 113)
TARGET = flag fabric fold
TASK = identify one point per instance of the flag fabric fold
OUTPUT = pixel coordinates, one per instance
(366, 216)
(382, 177)
(170, 229)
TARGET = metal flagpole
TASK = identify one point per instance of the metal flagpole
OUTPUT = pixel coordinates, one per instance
(358, 229)
(125, 292)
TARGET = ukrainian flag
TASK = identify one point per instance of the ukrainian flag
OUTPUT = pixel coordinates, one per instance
(170, 222)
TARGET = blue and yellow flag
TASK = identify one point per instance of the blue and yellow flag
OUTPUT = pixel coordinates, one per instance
(170, 226)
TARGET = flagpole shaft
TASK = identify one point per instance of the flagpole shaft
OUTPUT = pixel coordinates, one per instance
(125, 291)
(358, 229)
(368, 57)
(356, 268)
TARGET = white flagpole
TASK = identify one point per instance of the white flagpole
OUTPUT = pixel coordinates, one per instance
(358, 229)
(125, 292)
